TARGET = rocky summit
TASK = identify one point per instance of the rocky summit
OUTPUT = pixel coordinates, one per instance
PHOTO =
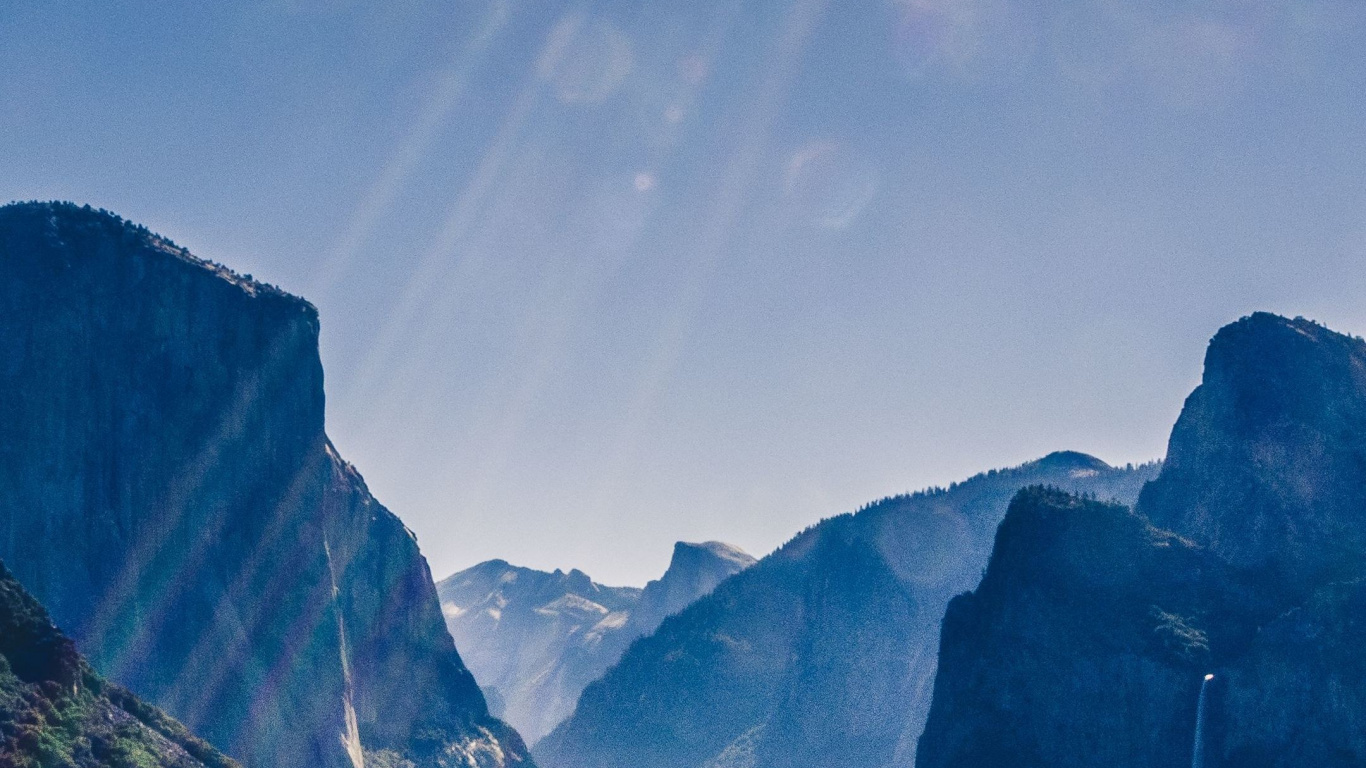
(535, 639)
(168, 492)
(1218, 625)
(1266, 463)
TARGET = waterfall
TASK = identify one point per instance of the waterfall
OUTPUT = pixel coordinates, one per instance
(1198, 756)
(350, 739)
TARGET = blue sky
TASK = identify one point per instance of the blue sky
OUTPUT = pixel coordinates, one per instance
(597, 277)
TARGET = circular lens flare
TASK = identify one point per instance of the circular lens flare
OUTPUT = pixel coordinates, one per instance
(586, 61)
(828, 185)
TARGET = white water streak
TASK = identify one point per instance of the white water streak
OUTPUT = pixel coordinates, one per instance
(351, 738)
(1198, 755)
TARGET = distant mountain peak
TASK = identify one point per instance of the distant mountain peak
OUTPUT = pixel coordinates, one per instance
(536, 638)
(1074, 460)
(689, 554)
(694, 571)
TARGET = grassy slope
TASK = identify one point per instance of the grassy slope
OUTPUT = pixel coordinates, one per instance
(55, 711)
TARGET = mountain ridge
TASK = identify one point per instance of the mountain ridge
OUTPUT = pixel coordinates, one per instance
(758, 674)
(536, 638)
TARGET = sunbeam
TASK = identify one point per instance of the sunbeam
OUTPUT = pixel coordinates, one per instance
(435, 113)
(443, 260)
(551, 312)
(729, 201)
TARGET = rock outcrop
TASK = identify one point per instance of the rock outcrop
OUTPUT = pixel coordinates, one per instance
(1088, 639)
(168, 492)
(535, 639)
(1267, 463)
(824, 652)
(56, 711)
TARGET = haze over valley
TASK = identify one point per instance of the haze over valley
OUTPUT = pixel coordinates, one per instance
(758, 384)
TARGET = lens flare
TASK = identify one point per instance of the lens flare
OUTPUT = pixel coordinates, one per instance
(828, 184)
(587, 60)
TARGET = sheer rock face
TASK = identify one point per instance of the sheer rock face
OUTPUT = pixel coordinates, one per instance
(535, 639)
(1087, 641)
(167, 490)
(54, 709)
(823, 653)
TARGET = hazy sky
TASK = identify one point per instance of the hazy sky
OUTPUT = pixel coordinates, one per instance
(597, 277)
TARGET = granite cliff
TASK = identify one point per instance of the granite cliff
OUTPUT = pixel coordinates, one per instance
(168, 492)
(1265, 464)
(1090, 637)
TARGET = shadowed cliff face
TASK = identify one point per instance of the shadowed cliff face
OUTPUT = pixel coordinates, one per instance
(535, 639)
(823, 653)
(167, 490)
(1267, 464)
(1299, 696)
(1087, 641)
(55, 711)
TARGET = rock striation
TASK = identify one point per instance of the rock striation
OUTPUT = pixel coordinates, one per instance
(168, 492)
(1088, 639)
(824, 652)
(535, 639)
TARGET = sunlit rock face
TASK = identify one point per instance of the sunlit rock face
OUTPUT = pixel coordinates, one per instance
(1090, 635)
(694, 571)
(823, 653)
(535, 639)
(56, 711)
(167, 490)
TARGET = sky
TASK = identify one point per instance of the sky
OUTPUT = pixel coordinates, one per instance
(597, 277)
